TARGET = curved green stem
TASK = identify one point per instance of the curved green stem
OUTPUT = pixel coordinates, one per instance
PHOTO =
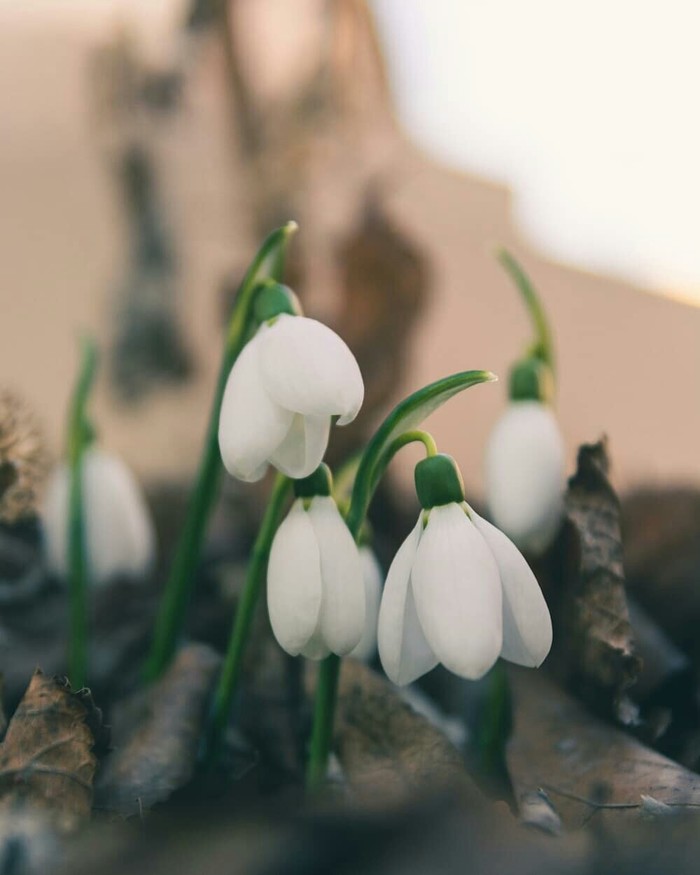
(79, 436)
(408, 414)
(240, 631)
(178, 590)
(543, 347)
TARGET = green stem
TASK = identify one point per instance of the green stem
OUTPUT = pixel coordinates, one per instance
(178, 590)
(322, 729)
(79, 435)
(543, 347)
(329, 670)
(495, 720)
(240, 631)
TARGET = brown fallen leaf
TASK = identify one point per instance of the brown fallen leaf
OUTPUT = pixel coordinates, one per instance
(161, 730)
(388, 751)
(662, 558)
(584, 766)
(47, 759)
(594, 646)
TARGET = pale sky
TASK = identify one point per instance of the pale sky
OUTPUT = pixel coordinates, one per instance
(589, 111)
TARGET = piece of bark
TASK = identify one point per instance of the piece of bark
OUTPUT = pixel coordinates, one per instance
(162, 735)
(47, 760)
(593, 640)
(388, 752)
(585, 767)
(662, 559)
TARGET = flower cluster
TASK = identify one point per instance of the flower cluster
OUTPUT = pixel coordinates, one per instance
(458, 591)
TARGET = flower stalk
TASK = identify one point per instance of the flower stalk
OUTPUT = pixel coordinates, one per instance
(542, 347)
(79, 437)
(171, 618)
(240, 632)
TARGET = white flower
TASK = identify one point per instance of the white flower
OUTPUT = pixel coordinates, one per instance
(373, 579)
(460, 593)
(525, 470)
(315, 590)
(119, 533)
(281, 393)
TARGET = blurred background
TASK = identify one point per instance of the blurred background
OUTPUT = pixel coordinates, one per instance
(147, 147)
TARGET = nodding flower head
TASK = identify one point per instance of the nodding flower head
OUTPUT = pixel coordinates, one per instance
(315, 588)
(458, 591)
(525, 471)
(287, 383)
(119, 533)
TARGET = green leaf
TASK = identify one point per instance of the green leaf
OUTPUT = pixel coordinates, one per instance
(542, 346)
(405, 417)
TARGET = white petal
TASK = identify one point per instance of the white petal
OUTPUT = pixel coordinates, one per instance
(119, 536)
(372, 577)
(403, 650)
(315, 648)
(307, 368)
(119, 531)
(527, 626)
(458, 593)
(251, 425)
(54, 517)
(294, 588)
(525, 469)
(343, 603)
(304, 447)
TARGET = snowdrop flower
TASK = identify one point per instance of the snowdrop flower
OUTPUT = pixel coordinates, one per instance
(373, 579)
(287, 383)
(458, 591)
(119, 533)
(525, 472)
(315, 588)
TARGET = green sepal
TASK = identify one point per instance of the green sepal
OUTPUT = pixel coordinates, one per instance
(273, 300)
(318, 483)
(531, 379)
(438, 481)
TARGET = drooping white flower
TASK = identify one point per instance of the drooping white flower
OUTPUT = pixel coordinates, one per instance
(525, 472)
(315, 588)
(460, 593)
(373, 579)
(119, 534)
(287, 383)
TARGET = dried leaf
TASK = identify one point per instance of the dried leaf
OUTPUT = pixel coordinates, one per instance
(662, 559)
(159, 751)
(47, 759)
(586, 767)
(387, 750)
(593, 636)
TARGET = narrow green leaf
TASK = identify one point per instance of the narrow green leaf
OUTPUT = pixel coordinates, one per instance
(406, 416)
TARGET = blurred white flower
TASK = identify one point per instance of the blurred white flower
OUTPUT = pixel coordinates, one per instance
(119, 534)
(315, 587)
(281, 393)
(373, 579)
(460, 593)
(525, 472)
